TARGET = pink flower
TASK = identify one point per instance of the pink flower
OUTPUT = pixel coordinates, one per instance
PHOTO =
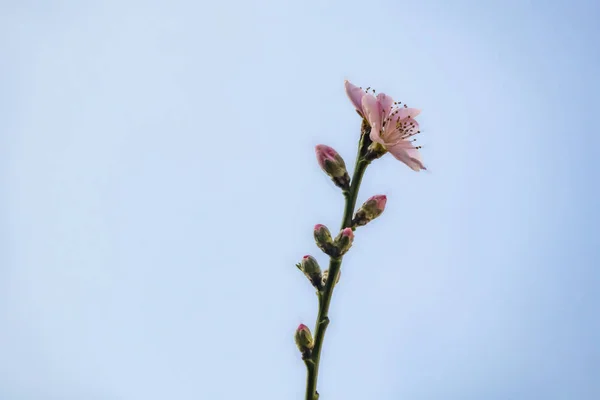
(393, 127)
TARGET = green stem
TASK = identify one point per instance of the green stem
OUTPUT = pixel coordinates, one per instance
(312, 364)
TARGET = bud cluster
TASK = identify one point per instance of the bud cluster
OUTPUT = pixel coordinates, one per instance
(333, 247)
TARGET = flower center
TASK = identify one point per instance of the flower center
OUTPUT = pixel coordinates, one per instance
(403, 130)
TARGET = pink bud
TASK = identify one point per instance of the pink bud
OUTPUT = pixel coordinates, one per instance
(311, 269)
(323, 239)
(304, 340)
(371, 209)
(333, 164)
(344, 240)
(347, 232)
(325, 153)
(380, 200)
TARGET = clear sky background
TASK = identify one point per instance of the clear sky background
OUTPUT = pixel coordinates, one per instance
(158, 184)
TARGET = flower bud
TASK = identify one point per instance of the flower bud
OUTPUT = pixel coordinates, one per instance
(326, 276)
(304, 340)
(323, 239)
(333, 164)
(344, 240)
(311, 269)
(370, 210)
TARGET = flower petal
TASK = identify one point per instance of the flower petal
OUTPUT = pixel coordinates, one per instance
(396, 129)
(408, 127)
(405, 152)
(403, 113)
(375, 136)
(385, 103)
(372, 112)
(355, 94)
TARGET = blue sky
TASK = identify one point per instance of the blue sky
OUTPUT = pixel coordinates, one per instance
(159, 184)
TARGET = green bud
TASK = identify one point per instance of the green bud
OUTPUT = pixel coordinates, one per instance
(304, 340)
(343, 241)
(370, 210)
(324, 240)
(333, 165)
(311, 269)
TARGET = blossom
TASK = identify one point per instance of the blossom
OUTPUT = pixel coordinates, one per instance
(392, 125)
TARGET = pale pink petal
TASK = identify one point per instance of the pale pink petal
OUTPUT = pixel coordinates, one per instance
(408, 126)
(390, 135)
(355, 94)
(403, 113)
(372, 112)
(375, 136)
(385, 103)
(405, 144)
(408, 155)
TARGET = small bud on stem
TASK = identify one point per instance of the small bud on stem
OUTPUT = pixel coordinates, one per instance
(343, 241)
(370, 210)
(324, 240)
(304, 340)
(333, 164)
(310, 267)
